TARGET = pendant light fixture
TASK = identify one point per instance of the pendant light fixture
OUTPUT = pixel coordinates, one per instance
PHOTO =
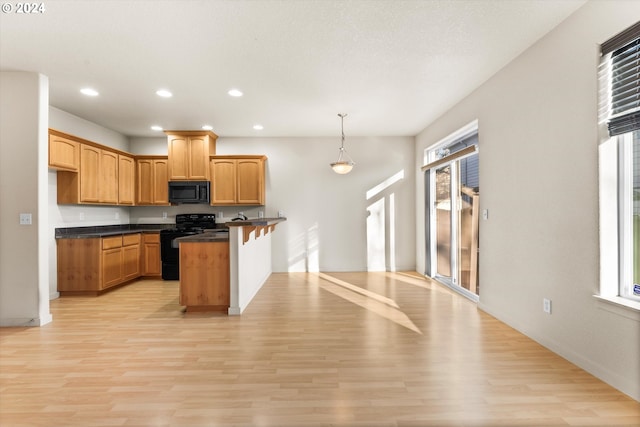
(344, 164)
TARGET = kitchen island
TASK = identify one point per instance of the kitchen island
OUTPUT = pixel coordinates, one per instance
(224, 271)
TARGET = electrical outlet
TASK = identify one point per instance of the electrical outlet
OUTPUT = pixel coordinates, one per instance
(546, 305)
(261, 214)
(117, 215)
(280, 214)
(164, 215)
(81, 216)
(25, 219)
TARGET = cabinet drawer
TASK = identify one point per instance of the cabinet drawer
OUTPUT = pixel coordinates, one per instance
(111, 242)
(151, 237)
(130, 239)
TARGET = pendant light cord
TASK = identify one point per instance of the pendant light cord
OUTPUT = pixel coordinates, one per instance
(342, 116)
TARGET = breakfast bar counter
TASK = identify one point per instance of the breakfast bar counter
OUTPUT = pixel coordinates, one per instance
(224, 271)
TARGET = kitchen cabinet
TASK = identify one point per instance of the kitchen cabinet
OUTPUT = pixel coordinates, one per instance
(188, 153)
(238, 180)
(111, 268)
(96, 182)
(90, 157)
(151, 262)
(108, 177)
(152, 181)
(204, 275)
(92, 265)
(126, 180)
(64, 153)
(130, 256)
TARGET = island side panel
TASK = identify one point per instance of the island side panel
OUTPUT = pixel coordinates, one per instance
(204, 275)
(250, 262)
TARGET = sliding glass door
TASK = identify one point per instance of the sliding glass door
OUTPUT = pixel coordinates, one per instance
(453, 204)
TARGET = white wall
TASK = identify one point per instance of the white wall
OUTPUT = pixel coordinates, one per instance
(538, 179)
(23, 189)
(61, 216)
(327, 214)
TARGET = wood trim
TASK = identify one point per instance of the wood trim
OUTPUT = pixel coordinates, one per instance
(239, 156)
(246, 231)
(464, 152)
(87, 142)
(261, 230)
(191, 133)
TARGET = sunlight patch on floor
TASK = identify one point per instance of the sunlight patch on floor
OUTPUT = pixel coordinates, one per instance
(376, 303)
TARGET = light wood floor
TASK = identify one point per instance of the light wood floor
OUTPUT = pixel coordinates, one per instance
(347, 349)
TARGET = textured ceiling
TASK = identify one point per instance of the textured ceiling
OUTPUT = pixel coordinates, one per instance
(392, 66)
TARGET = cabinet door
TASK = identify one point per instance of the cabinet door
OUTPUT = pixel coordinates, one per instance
(161, 182)
(199, 158)
(126, 175)
(204, 274)
(131, 262)
(144, 178)
(63, 153)
(178, 157)
(89, 174)
(78, 264)
(151, 264)
(111, 267)
(223, 186)
(108, 177)
(250, 181)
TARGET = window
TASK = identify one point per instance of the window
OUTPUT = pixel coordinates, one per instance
(629, 214)
(620, 165)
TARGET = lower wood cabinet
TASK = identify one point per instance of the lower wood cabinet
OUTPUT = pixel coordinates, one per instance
(151, 262)
(130, 257)
(90, 266)
(204, 275)
(111, 268)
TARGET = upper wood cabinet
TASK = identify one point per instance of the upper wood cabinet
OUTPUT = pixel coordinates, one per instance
(126, 180)
(189, 153)
(64, 153)
(90, 181)
(152, 181)
(108, 177)
(238, 180)
(97, 179)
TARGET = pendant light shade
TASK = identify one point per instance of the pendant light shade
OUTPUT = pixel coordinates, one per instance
(344, 164)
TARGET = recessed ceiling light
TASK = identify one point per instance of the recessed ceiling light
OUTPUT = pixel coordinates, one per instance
(207, 127)
(158, 128)
(235, 92)
(258, 127)
(164, 93)
(89, 92)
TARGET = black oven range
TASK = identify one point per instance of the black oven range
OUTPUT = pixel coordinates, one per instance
(186, 225)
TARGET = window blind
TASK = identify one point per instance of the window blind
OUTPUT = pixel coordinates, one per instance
(625, 80)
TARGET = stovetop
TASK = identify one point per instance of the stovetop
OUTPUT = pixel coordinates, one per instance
(196, 223)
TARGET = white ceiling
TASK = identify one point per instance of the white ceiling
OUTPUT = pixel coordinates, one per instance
(392, 66)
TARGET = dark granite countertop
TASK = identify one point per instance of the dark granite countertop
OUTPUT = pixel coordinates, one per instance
(207, 236)
(254, 222)
(98, 231)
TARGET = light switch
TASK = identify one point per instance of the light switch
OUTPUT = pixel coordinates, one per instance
(25, 219)
(485, 214)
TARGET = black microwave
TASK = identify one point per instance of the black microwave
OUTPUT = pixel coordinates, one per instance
(189, 192)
